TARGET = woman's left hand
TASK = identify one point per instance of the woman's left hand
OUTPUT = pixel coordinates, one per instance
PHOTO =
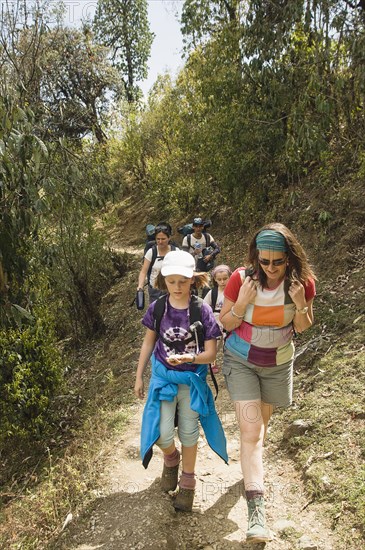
(297, 294)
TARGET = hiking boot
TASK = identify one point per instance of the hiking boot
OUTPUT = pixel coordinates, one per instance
(257, 531)
(184, 500)
(169, 478)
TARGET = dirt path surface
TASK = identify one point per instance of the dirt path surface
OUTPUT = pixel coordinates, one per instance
(133, 513)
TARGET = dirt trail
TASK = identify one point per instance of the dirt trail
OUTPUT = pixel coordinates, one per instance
(132, 512)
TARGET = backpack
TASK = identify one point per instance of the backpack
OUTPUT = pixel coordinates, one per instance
(188, 229)
(150, 231)
(214, 297)
(154, 257)
(195, 319)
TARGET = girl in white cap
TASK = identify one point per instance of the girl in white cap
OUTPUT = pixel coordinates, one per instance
(180, 351)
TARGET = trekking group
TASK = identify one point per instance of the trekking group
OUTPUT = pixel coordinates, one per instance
(253, 313)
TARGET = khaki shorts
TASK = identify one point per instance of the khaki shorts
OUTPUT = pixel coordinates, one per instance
(248, 382)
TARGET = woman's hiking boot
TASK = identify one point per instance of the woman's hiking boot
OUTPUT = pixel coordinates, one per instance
(184, 500)
(169, 478)
(257, 531)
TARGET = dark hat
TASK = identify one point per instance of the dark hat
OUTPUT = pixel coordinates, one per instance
(198, 221)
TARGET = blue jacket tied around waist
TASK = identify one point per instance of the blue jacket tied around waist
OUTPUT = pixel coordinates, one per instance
(164, 387)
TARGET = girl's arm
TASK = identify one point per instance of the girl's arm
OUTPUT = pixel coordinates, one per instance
(143, 273)
(206, 356)
(148, 345)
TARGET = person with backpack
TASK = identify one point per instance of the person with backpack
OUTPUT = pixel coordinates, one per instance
(201, 245)
(180, 340)
(215, 298)
(155, 251)
(265, 304)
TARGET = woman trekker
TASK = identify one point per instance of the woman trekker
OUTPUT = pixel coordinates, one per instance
(265, 304)
(153, 259)
(181, 339)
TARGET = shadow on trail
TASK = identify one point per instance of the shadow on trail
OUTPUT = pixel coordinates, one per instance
(147, 519)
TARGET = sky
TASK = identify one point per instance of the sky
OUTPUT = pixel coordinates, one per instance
(166, 51)
(167, 46)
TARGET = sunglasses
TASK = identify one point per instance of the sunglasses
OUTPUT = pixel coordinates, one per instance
(275, 263)
(162, 229)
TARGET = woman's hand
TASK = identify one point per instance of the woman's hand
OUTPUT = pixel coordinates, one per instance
(247, 292)
(139, 388)
(297, 294)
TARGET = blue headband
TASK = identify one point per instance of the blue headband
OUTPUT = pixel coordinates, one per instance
(268, 239)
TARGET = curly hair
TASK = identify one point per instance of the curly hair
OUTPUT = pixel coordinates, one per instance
(298, 264)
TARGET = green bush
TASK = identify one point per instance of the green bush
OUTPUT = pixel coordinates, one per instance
(80, 270)
(30, 373)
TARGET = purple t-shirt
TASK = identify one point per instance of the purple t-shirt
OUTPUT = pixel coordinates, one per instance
(175, 328)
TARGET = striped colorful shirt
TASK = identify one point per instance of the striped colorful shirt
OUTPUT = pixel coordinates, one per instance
(265, 336)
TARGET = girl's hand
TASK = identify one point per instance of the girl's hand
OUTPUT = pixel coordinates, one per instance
(247, 292)
(297, 294)
(139, 388)
(178, 359)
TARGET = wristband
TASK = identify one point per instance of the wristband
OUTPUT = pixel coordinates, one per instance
(234, 314)
(193, 359)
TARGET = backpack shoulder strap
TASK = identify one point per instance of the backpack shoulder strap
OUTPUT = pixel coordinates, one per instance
(195, 313)
(195, 308)
(207, 240)
(153, 259)
(214, 296)
(158, 311)
(188, 240)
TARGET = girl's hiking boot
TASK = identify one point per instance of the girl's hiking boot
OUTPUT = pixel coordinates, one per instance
(184, 500)
(257, 531)
(169, 478)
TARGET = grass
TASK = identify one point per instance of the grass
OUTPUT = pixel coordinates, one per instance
(329, 394)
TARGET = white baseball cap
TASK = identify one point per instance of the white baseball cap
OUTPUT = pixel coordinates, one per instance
(178, 262)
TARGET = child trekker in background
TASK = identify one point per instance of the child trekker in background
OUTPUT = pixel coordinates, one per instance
(215, 298)
(178, 380)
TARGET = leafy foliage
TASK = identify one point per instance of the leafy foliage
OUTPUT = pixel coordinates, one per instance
(22, 171)
(30, 374)
(123, 27)
(77, 84)
(80, 270)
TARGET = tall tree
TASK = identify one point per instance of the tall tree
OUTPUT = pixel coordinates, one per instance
(62, 73)
(77, 83)
(122, 25)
